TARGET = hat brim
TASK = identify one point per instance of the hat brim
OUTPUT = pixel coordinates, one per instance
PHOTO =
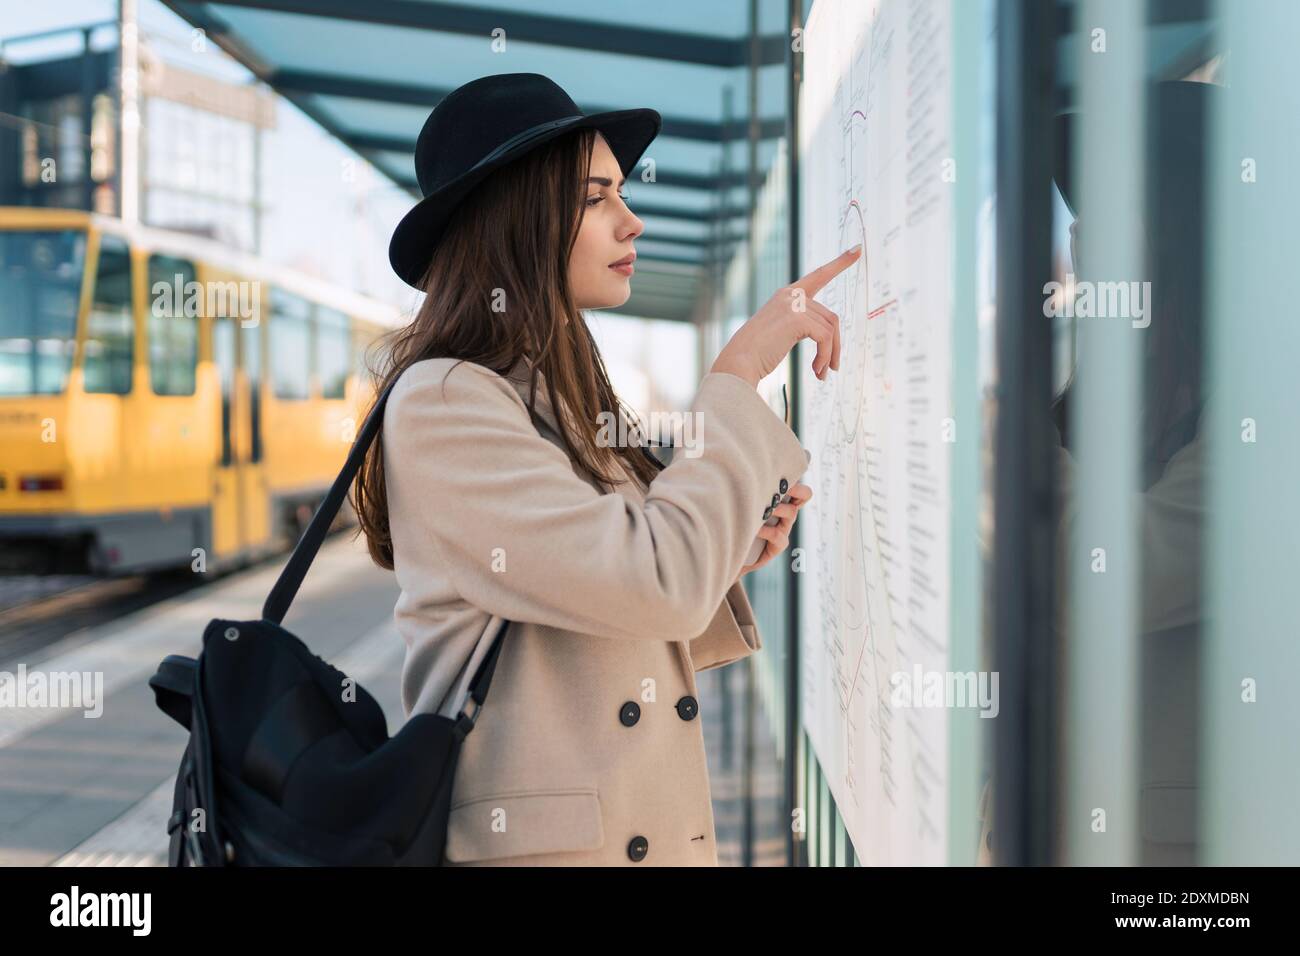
(628, 132)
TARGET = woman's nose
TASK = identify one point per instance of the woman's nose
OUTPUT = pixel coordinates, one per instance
(635, 226)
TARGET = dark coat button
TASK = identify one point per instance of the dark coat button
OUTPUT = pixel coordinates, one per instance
(630, 713)
(776, 500)
(785, 486)
(687, 708)
(767, 512)
(637, 848)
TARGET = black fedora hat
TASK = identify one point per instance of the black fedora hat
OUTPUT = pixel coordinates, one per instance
(481, 126)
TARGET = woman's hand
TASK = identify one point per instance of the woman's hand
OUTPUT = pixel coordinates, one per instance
(762, 343)
(778, 535)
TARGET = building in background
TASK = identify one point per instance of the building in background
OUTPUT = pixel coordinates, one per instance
(200, 138)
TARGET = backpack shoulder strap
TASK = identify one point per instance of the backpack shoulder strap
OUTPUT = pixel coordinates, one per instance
(295, 570)
(286, 586)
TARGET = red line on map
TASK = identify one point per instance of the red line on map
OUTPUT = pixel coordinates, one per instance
(875, 312)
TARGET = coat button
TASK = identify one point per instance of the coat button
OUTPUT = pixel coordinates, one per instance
(785, 486)
(637, 848)
(687, 708)
(776, 500)
(630, 713)
(767, 512)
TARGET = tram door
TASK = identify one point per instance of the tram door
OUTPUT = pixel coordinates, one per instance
(252, 472)
(242, 507)
(227, 511)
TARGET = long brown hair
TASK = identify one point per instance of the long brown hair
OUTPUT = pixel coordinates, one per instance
(510, 240)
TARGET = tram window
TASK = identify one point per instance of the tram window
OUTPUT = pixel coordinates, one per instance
(173, 325)
(110, 327)
(290, 345)
(333, 341)
(40, 284)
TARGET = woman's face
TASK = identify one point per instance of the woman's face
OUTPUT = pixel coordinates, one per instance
(604, 236)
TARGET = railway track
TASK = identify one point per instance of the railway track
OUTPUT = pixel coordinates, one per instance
(39, 610)
(36, 612)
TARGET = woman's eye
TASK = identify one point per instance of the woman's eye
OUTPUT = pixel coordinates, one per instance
(592, 200)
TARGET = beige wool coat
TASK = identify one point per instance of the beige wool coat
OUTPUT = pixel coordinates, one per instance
(589, 749)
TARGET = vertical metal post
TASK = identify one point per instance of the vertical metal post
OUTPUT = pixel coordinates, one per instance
(257, 186)
(794, 77)
(1024, 509)
(88, 85)
(751, 306)
(128, 90)
(719, 269)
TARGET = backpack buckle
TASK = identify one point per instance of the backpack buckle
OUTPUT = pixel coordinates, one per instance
(468, 714)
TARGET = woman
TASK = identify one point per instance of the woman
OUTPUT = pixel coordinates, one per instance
(492, 494)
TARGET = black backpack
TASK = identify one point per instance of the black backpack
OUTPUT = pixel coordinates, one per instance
(281, 769)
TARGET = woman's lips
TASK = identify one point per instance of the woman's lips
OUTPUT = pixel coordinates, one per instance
(625, 269)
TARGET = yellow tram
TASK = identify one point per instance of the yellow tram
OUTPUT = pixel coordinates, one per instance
(166, 402)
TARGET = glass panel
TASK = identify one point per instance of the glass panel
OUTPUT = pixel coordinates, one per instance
(1248, 707)
(1098, 462)
(1178, 458)
(974, 410)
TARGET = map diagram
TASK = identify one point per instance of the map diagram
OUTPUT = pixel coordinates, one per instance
(875, 119)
